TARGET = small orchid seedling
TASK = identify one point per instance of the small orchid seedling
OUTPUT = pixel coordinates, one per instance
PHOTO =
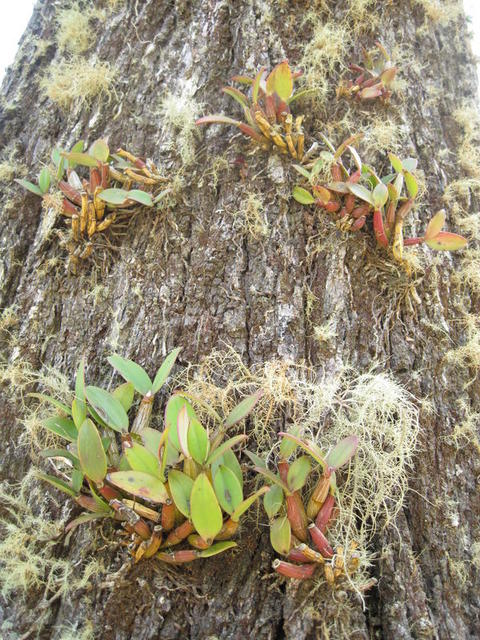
(294, 528)
(353, 195)
(93, 205)
(166, 487)
(268, 120)
(375, 77)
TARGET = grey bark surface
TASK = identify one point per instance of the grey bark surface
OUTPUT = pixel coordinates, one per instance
(193, 279)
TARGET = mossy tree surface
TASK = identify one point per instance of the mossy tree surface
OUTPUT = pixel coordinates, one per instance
(193, 276)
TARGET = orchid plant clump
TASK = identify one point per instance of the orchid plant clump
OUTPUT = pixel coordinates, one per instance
(268, 119)
(375, 77)
(179, 486)
(351, 195)
(93, 204)
(294, 528)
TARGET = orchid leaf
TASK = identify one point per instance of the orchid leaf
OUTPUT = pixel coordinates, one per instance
(205, 511)
(132, 372)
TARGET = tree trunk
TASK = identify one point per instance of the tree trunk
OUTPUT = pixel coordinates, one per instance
(193, 276)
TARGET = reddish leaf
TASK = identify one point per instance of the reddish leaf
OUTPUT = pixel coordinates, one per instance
(447, 241)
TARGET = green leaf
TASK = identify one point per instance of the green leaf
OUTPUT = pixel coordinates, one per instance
(273, 500)
(180, 486)
(300, 94)
(44, 180)
(56, 403)
(242, 409)
(164, 371)
(228, 444)
(174, 405)
(256, 85)
(56, 156)
(141, 197)
(59, 453)
(236, 95)
(197, 440)
(114, 196)
(63, 427)
(287, 447)
(435, 225)
(83, 159)
(229, 459)
(102, 505)
(282, 83)
(141, 459)
(205, 510)
(310, 447)
(411, 184)
(281, 535)
(151, 439)
(82, 518)
(395, 162)
(302, 195)
(298, 473)
(446, 241)
(389, 178)
(257, 461)
(132, 372)
(342, 452)
(81, 406)
(302, 171)
(30, 186)
(247, 503)
(227, 489)
(218, 547)
(380, 195)
(339, 187)
(108, 408)
(124, 393)
(140, 484)
(361, 192)
(79, 413)
(57, 483)
(273, 478)
(77, 480)
(90, 452)
(409, 164)
(99, 150)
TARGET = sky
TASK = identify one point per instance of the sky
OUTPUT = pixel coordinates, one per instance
(12, 27)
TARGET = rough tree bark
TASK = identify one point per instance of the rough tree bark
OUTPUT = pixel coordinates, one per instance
(201, 281)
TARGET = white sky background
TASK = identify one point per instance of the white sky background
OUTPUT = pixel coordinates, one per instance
(16, 19)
